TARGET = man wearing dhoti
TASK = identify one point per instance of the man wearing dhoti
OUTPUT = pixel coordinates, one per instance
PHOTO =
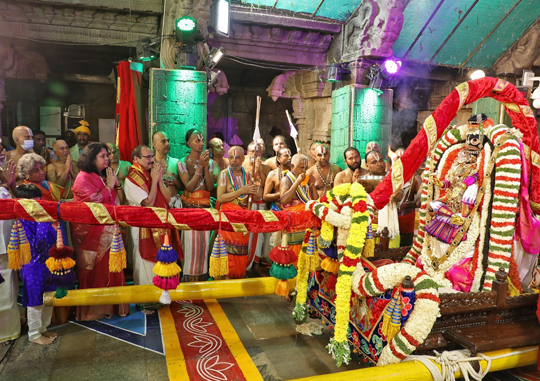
(297, 188)
(234, 189)
(196, 174)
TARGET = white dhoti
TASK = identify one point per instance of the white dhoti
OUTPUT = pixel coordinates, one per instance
(142, 269)
(10, 318)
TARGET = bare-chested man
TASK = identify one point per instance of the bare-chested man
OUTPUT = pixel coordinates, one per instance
(323, 172)
(254, 153)
(161, 143)
(353, 171)
(23, 138)
(312, 153)
(217, 153)
(120, 167)
(234, 189)
(196, 174)
(272, 193)
(62, 171)
(277, 144)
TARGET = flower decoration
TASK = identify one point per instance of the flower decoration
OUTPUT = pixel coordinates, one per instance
(344, 207)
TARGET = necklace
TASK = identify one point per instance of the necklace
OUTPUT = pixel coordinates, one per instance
(329, 179)
(194, 162)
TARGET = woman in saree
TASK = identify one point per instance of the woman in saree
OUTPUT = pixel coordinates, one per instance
(97, 183)
(31, 168)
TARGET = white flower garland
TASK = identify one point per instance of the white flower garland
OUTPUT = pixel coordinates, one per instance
(421, 319)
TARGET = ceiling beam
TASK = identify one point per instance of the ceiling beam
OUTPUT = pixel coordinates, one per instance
(454, 30)
(424, 28)
(245, 14)
(490, 33)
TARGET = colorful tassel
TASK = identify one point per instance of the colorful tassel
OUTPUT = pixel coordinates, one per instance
(60, 264)
(219, 260)
(331, 265)
(167, 270)
(392, 317)
(282, 288)
(369, 245)
(312, 255)
(19, 253)
(283, 267)
(117, 254)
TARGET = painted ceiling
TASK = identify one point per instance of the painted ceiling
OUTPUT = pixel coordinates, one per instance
(461, 33)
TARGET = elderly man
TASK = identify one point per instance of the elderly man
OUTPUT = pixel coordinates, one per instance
(323, 172)
(120, 167)
(82, 134)
(353, 171)
(144, 187)
(161, 143)
(63, 171)
(24, 143)
(233, 193)
(295, 193)
(277, 144)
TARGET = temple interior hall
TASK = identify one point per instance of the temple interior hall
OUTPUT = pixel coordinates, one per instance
(443, 94)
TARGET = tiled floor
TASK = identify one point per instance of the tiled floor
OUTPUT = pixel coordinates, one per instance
(264, 324)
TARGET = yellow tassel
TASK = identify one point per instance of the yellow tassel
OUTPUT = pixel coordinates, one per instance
(330, 265)
(166, 270)
(313, 262)
(117, 260)
(59, 264)
(24, 246)
(224, 265)
(214, 269)
(282, 288)
(14, 259)
(392, 317)
(369, 248)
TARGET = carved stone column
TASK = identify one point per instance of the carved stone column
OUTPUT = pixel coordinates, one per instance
(198, 9)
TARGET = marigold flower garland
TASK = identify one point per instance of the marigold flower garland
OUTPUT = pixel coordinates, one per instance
(349, 199)
(300, 309)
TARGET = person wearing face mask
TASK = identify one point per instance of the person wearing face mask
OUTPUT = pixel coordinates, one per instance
(24, 143)
(82, 134)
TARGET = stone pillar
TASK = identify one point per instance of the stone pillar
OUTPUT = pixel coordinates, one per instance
(174, 9)
(178, 101)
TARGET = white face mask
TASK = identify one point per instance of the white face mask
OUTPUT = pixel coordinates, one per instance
(27, 145)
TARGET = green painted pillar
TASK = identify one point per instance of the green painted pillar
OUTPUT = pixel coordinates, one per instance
(360, 115)
(177, 102)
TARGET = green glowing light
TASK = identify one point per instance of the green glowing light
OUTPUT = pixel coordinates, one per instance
(186, 24)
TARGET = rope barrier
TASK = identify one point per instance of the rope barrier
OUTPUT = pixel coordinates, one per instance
(452, 362)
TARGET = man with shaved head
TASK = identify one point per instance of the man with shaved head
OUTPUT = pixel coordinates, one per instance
(278, 143)
(323, 172)
(24, 143)
(296, 189)
(253, 163)
(63, 171)
(234, 189)
(312, 148)
(171, 178)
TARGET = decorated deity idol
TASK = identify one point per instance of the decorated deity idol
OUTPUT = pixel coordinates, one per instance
(460, 187)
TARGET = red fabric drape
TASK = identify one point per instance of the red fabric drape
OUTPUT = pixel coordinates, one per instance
(479, 88)
(196, 219)
(128, 110)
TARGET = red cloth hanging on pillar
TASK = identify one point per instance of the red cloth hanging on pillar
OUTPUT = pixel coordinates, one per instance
(128, 109)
